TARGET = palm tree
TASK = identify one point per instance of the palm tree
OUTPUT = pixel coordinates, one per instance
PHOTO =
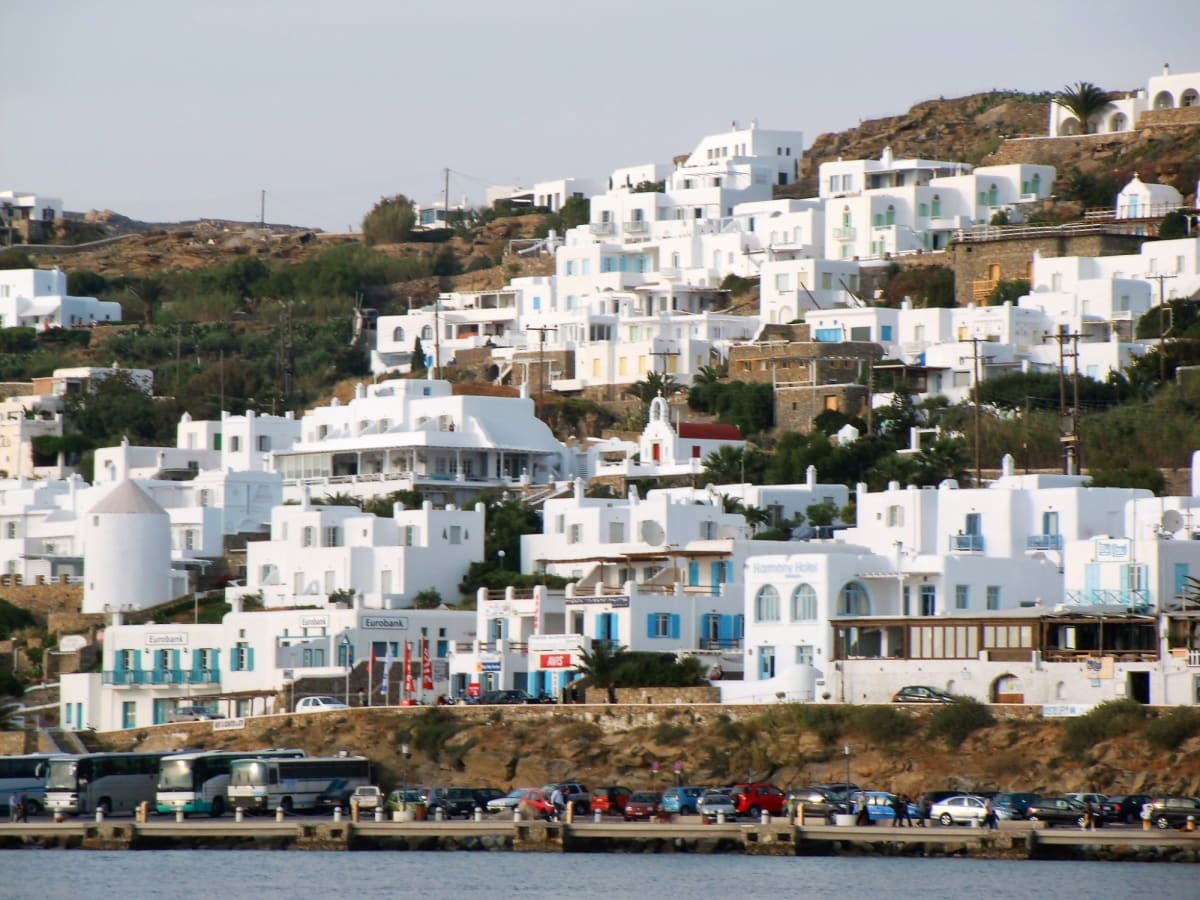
(601, 662)
(655, 384)
(710, 374)
(756, 517)
(725, 465)
(1084, 99)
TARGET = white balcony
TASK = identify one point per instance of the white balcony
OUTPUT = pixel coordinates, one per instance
(847, 233)
(601, 228)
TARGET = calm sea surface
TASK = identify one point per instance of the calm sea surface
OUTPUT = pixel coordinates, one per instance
(133, 875)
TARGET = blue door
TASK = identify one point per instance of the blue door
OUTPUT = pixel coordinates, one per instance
(718, 578)
(766, 663)
(693, 573)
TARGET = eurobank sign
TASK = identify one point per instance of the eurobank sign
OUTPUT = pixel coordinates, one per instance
(388, 623)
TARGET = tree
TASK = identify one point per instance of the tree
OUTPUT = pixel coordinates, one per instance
(418, 355)
(427, 599)
(1008, 292)
(1084, 100)
(390, 221)
(601, 662)
(1173, 225)
(725, 465)
(653, 385)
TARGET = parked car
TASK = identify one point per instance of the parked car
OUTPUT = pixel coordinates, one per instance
(318, 704)
(537, 802)
(1015, 804)
(485, 795)
(1059, 811)
(682, 800)
(960, 810)
(880, 805)
(366, 796)
(713, 802)
(338, 793)
(192, 714)
(1173, 812)
(817, 801)
(1125, 808)
(507, 698)
(753, 799)
(508, 802)
(920, 693)
(405, 798)
(1097, 800)
(573, 792)
(452, 801)
(840, 790)
(643, 805)
(610, 800)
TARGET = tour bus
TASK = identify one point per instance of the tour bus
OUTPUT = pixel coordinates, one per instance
(259, 785)
(196, 781)
(112, 782)
(24, 775)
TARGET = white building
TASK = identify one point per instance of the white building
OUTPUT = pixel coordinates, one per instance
(1139, 200)
(21, 208)
(37, 298)
(1165, 91)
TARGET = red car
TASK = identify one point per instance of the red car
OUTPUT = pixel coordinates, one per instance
(537, 802)
(610, 800)
(753, 799)
(643, 805)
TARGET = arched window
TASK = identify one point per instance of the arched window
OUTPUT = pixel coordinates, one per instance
(1164, 100)
(1117, 122)
(398, 333)
(853, 600)
(804, 603)
(993, 196)
(845, 217)
(1189, 98)
(766, 604)
(889, 217)
(427, 333)
(935, 207)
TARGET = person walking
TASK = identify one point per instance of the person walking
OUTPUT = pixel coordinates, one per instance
(14, 807)
(559, 802)
(897, 810)
(989, 815)
(924, 806)
(612, 692)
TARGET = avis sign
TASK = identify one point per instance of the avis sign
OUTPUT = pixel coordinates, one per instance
(555, 661)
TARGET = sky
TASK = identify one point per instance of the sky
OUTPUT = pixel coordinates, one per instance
(165, 110)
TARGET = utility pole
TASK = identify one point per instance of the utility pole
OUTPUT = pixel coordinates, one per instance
(976, 360)
(541, 331)
(446, 197)
(262, 208)
(1164, 314)
(1072, 456)
(664, 354)
(437, 338)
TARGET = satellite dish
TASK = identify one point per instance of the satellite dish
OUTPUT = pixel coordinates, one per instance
(1172, 521)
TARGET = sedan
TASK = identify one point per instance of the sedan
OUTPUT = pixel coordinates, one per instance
(960, 810)
(1173, 812)
(366, 796)
(880, 805)
(508, 802)
(643, 805)
(920, 693)
(682, 800)
(317, 704)
(1016, 804)
(1059, 811)
(1125, 808)
(713, 802)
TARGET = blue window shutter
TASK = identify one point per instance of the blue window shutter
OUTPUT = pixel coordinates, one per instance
(119, 661)
(693, 573)
(1181, 578)
(724, 628)
(174, 659)
(250, 659)
(650, 625)
(599, 626)
(675, 626)
(195, 660)
(137, 660)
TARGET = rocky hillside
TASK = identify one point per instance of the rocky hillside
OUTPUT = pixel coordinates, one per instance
(902, 749)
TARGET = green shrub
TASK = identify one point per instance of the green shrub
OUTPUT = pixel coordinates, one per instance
(957, 721)
(1106, 721)
(669, 733)
(1168, 731)
(13, 618)
(879, 724)
(826, 722)
(433, 729)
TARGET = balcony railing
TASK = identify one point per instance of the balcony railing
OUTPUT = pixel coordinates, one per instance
(847, 233)
(1131, 598)
(1193, 658)
(720, 643)
(161, 676)
(1044, 542)
(601, 228)
(637, 226)
(966, 543)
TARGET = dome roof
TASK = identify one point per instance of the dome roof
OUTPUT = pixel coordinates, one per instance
(129, 499)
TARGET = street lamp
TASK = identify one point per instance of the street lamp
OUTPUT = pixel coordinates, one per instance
(678, 774)
(347, 646)
(404, 783)
(846, 750)
(501, 554)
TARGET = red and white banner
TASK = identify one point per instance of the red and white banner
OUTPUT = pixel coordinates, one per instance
(426, 667)
(555, 661)
(410, 686)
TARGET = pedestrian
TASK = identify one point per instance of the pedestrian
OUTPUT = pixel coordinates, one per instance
(924, 807)
(861, 815)
(905, 807)
(897, 810)
(612, 692)
(22, 808)
(558, 802)
(362, 697)
(989, 815)
(1089, 816)
(14, 808)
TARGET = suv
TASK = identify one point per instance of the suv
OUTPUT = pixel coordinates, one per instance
(753, 799)
(366, 796)
(817, 801)
(317, 704)
(452, 802)
(1173, 812)
(192, 714)
(573, 792)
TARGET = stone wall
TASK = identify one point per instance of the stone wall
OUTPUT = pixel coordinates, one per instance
(1180, 115)
(43, 600)
(796, 406)
(1060, 152)
(541, 368)
(972, 260)
(777, 362)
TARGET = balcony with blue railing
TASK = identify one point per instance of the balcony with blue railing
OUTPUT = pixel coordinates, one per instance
(131, 677)
(1131, 598)
(966, 543)
(1044, 542)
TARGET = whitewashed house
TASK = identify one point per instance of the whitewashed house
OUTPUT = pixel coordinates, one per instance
(1165, 91)
(38, 298)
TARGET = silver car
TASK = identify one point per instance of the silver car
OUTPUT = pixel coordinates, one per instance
(508, 802)
(713, 802)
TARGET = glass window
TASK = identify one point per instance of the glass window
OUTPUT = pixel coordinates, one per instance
(962, 596)
(853, 600)
(993, 596)
(766, 604)
(804, 603)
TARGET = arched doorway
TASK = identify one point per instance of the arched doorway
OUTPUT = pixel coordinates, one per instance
(1189, 98)
(1008, 689)
(1164, 100)
(1069, 126)
(1118, 122)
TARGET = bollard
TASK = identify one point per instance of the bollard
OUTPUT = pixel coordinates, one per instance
(100, 814)
(58, 817)
(974, 823)
(478, 814)
(570, 812)
(439, 814)
(179, 815)
(354, 811)
(720, 817)
(516, 814)
(765, 818)
(799, 814)
(1190, 825)
(596, 817)
(279, 814)
(337, 814)
(379, 814)
(239, 814)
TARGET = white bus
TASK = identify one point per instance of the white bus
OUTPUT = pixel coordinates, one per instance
(113, 782)
(24, 775)
(196, 781)
(258, 785)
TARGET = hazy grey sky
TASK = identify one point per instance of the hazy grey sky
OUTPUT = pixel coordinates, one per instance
(168, 110)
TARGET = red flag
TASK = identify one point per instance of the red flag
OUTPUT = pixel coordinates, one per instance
(426, 666)
(410, 686)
